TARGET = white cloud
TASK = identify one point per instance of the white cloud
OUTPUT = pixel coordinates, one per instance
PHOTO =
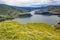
(29, 2)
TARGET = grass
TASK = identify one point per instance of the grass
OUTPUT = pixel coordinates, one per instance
(34, 31)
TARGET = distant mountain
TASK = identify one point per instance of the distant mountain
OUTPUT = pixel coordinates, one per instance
(31, 8)
(28, 9)
(53, 9)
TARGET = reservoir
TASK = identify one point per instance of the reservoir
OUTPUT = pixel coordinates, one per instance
(51, 20)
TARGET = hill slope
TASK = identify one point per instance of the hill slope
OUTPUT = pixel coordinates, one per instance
(9, 11)
(34, 31)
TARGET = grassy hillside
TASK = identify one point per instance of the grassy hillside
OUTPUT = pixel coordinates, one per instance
(9, 12)
(34, 31)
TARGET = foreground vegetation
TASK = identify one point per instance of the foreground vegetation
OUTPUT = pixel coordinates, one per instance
(34, 31)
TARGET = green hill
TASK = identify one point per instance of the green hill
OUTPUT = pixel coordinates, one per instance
(9, 12)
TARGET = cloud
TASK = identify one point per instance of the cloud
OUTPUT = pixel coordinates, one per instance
(28, 2)
(57, 2)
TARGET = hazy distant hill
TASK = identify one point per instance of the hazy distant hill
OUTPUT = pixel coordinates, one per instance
(28, 9)
(53, 9)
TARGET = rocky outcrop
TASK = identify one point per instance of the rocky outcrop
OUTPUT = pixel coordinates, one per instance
(57, 26)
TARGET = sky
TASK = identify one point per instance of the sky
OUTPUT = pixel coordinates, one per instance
(29, 2)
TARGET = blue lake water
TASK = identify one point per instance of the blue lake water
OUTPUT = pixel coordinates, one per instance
(51, 20)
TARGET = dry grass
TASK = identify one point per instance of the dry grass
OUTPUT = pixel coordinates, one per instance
(34, 31)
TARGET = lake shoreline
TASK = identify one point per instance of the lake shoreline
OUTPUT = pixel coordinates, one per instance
(45, 14)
